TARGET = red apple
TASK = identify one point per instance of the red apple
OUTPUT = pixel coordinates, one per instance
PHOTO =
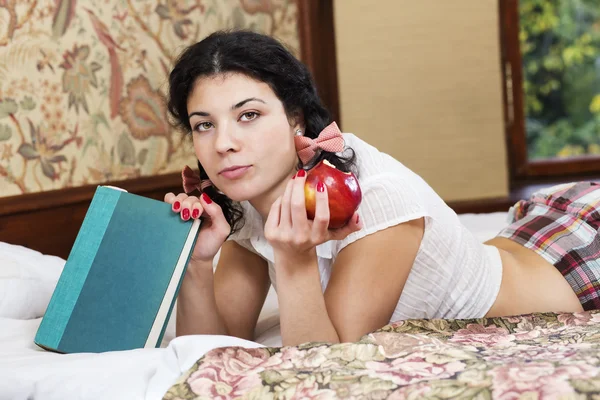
(343, 191)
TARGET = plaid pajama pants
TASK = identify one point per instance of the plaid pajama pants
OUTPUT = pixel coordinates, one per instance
(562, 223)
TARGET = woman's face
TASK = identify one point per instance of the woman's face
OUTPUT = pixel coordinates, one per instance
(241, 134)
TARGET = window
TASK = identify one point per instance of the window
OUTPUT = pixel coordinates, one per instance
(551, 68)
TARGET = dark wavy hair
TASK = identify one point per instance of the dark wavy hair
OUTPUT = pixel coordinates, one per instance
(262, 58)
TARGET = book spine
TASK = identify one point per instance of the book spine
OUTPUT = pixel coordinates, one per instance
(162, 320)
(77, 267)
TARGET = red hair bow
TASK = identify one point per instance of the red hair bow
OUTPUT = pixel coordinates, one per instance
(330, 139)
(192, 181)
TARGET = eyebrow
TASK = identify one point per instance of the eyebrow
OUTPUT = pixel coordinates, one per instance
(235, 106)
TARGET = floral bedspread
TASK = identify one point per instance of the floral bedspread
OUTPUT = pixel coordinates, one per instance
(526, 357)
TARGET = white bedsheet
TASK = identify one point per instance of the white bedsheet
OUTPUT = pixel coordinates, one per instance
(28, 372)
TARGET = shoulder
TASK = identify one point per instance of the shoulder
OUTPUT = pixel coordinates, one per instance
(385, 182)
(392, 194)
(387, 200)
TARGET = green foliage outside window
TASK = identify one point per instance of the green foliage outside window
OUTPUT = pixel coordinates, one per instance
(560, 48)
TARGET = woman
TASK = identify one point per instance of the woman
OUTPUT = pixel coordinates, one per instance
(246, 101)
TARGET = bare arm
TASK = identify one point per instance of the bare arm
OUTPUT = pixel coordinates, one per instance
(227, 302)
(368, 277)
(366, 282)
(241, 286)
(302, 308)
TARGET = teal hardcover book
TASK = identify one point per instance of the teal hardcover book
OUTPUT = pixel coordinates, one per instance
(122, 276)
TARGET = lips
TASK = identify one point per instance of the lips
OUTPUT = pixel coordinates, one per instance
(233, 168)
(235, 171)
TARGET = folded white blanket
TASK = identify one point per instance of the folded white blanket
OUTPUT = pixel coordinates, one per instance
(28, 372)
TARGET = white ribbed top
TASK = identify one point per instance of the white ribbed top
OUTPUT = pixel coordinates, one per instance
(453, 275)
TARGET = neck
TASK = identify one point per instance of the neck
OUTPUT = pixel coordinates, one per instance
(263, 203)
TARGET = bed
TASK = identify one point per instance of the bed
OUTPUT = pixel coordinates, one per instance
(59, 95)
(533, 355)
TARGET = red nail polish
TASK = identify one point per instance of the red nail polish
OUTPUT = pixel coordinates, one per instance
(293, 176)
(301, 173)
(185, 214)
(320, 187)
(176, 206)
(195, 213)
(206, 199)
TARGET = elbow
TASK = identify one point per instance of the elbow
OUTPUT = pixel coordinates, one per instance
(294, 343)
(297, 341)
(245, 334)
(350, 336)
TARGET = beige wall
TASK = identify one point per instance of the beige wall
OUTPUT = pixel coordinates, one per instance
(421, 80)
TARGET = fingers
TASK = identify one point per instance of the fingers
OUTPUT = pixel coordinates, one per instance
(190, 208)
(354, 225)
(169, 198)
(273, 219)
(214, 212)
(297, 202)
(175, 200)
(321, 220)
(285, 216)
(197, 210)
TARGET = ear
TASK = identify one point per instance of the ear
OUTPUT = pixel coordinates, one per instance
(297, 120)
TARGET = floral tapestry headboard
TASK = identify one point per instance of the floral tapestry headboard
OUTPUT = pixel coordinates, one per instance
(82, 84)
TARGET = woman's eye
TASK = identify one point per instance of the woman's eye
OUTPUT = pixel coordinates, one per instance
(249, 116)
(203, 126)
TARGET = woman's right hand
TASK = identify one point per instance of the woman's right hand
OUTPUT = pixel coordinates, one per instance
(214, 228)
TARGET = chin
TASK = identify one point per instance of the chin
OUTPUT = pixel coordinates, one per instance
(240, 192)
(238, 198)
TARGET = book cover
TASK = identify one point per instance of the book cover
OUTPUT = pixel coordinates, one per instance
(122, 276)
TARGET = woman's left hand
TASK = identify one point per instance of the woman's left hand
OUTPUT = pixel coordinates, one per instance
(288, 228)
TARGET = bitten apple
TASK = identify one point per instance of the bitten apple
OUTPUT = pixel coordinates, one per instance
(343, 192)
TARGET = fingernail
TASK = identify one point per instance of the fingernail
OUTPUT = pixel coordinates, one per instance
(357, 218)
(185, 214)
(176, 206)
(293, 176)
(206, 199)
(320, 187)
(195, 213)
(301, 173)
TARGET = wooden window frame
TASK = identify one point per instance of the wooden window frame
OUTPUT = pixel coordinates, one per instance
(520, 167)
(318, 51)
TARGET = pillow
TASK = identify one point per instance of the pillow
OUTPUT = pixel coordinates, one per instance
(484, 226)
(27, 280)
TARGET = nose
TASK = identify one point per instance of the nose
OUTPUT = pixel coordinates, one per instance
(227, 140)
